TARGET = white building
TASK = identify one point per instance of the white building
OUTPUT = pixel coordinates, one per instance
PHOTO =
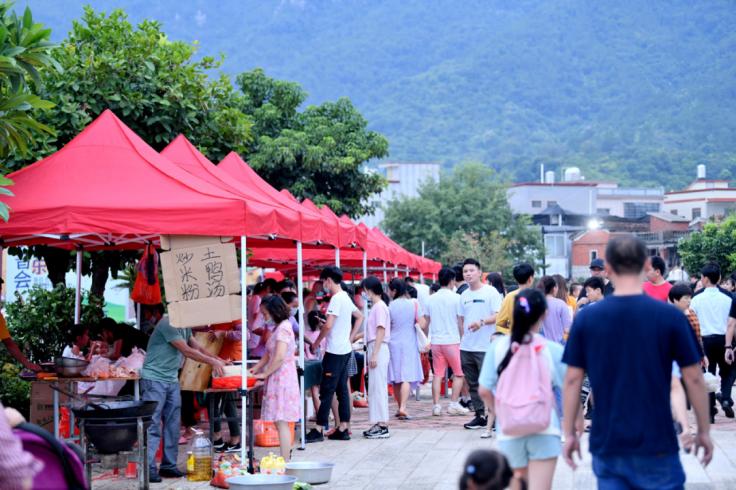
(628, 202)
(703, 199)
(404, 180)
(589, 198)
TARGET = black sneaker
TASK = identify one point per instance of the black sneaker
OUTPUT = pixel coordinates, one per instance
(314, 436)
(173, 473)
(219, 446)
(478, 422)
(377, 432)
(233, 448)
(727, 409)
(154, 478)
(339, 435)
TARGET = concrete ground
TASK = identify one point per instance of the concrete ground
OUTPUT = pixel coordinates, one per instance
(428, 453)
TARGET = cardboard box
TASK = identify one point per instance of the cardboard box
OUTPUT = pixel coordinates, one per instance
(202, 272)
(195, 375)
(201, 312)
(42, 403)
(170, 242)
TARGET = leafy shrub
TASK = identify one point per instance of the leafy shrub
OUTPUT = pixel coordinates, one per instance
(14, 392)
(39, 322)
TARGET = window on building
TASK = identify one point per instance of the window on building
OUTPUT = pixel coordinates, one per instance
(674, 211)
(696, 213)
(554, 220)
(603, 211)
(551, 203)
(554, 245)
(536, 204)
(593, 255)
(633, 210)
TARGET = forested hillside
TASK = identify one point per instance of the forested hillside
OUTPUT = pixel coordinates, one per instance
(636, 91)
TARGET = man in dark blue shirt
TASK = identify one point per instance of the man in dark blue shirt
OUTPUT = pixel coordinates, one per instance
(627, 345)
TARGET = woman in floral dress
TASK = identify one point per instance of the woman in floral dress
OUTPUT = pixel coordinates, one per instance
(277, 368)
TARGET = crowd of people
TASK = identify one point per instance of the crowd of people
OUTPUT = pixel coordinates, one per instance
(536, 364)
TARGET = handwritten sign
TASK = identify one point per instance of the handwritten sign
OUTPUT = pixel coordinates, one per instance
(200, 272)
(202, 283)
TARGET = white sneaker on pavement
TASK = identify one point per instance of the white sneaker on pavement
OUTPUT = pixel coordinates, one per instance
(487, 434)
(437, 410)
(457, 409)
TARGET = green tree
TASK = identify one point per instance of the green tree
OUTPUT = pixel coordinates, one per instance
(316, 154)
(156, 86)
(465, 214)
(715, 243)
(24, 52)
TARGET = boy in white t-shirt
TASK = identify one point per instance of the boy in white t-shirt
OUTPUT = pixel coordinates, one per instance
(441, 312)
(337, 330)
(479, 305)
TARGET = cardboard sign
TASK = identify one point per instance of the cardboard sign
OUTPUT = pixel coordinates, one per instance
(171, 242)
(210, 271)
(202, 282)
(202, 312)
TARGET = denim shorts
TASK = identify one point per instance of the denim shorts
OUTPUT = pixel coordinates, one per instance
(535, 447)
(663, 472)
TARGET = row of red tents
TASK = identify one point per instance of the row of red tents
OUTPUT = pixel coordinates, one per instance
(107, 189)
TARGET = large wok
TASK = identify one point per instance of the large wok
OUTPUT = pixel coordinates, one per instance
(113, 426)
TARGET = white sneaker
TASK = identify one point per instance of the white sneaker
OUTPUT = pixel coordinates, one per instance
(457, 409)
(437, 410)
(487, 434)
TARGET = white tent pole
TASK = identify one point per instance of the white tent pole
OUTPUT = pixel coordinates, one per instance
(385, 274)
(78, 293)
(300, 293)
(244, 351)
(337, 257)
(421, 272)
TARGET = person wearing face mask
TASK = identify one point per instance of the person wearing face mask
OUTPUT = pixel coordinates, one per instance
(277, 368)
(292, 302)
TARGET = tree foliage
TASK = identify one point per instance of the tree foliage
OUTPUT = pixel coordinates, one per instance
(40, 322)
(24, 52)
(715, 243)
(465, 214)
(317, 153)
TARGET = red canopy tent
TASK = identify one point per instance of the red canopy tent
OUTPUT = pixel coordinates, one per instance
(239, 173)
(288, 222)
(108, 188)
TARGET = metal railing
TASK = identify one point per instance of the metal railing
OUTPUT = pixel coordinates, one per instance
(662, 236)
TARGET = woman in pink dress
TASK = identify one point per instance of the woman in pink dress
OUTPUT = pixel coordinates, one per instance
(277, 369)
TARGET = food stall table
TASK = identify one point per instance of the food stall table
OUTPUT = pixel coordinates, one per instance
(54, 382)
(248, 417)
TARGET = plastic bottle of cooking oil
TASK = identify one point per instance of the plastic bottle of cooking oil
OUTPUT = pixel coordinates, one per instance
(202, 455)
(190, 464)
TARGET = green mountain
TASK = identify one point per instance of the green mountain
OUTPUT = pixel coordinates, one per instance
(636, 91)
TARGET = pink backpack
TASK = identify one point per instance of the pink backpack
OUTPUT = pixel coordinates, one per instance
(524, 393)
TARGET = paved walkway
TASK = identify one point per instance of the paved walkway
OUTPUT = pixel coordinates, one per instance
(428, 453)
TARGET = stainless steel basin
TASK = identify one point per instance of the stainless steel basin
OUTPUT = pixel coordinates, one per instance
(265, 482)
(312, 472)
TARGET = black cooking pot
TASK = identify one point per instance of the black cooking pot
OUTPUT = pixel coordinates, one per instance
(116, 410)
(113, 426)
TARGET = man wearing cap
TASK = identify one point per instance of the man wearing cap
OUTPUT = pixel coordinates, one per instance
(597, 269)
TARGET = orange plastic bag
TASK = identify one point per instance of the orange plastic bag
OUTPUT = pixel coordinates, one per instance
(147, 290)
(266, 434)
